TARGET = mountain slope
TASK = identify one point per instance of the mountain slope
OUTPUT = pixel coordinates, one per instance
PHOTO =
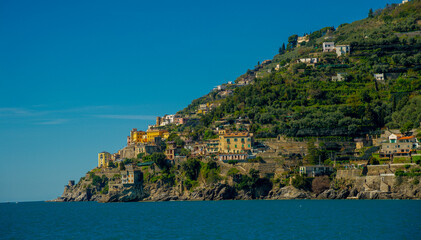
(298, 99)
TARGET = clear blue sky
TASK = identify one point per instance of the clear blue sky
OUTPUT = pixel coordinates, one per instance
(76, 76)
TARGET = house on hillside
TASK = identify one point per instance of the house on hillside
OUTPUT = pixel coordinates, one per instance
(179, 120)
(379, 76)
(328, 46)
(103, 159)
(233, 157)
(265, 62)
(130, 176)
(315, 170)
(308, 60)
(342, 49)
(236, 142)
(398, 145)
(339, 77)
(302, 39)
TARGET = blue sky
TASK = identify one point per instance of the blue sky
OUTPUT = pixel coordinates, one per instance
(76, 76)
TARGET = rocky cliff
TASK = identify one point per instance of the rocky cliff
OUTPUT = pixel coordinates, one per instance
(402, 188)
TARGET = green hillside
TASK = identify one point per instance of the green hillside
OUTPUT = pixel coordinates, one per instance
(299, 99)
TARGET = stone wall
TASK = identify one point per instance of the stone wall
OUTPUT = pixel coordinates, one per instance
(376, 170)
(349, 174)
(109, 173)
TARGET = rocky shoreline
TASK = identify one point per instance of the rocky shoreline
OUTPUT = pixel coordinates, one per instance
(160, 191)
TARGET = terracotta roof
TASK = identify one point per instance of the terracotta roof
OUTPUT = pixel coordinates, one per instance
(403, 138)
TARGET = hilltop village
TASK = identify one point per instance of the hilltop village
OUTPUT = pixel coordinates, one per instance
(335, 115)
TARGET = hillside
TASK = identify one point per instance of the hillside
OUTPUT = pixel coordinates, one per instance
(307, 124)
(282, 96)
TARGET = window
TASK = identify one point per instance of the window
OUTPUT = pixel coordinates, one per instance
(235, 139)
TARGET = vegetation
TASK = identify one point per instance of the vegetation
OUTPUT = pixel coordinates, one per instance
(300, 100)
(320, 184)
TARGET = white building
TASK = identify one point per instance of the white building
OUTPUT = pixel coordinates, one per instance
(328, 46)
(315, 170)
(308, 60)
(342, 49)
(339, 77)
(379, 76)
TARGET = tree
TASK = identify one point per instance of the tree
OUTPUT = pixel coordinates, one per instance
(292, 41)
(282, 49)
(160, 160)
(299, 182)
(140, 155)
(192, 168)
(320, 184)
(184, 152)
(370, 13)
(406, 127)
(121, 165)
(111, 164)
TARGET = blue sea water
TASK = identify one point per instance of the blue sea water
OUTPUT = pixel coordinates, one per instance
(284, 219)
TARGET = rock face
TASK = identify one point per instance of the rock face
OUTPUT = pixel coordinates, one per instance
(288, 192)
(403, 188)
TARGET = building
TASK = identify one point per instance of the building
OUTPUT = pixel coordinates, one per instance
(212, 146)
(398, 146)
(103, 159)
(339, 77)
(225, 93)
(158, 121)
(172, 150)
(136, 137)
(342, 49)
(302, 39)
(146, 148)
(153, 133)
(179, 120)
(232, 157)
(328, 46)
(308, 60)
(265, 62)
(130, 176)
(315, 170)
(236, 142)
(379, 76)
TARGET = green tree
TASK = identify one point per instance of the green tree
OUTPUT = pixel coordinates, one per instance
(121, 166)
(370, 13)
(299, 182)
(111, 164)
(160, 160)
(407, 126)
(292, 41)
(192, 168)
(140, 155)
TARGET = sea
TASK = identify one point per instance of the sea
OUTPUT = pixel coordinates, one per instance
(257, 219)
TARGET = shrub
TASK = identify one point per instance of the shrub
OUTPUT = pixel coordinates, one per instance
(320, 184)
(374, 161)
(299, 182)
(233, 171)
(400, 173)
(192, 168)
(160, 160)
(111, 164)
(415, 181)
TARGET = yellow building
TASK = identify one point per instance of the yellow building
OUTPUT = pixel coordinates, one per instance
(136, 136)
(103, 159)
(153, 133)
(237, 142)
